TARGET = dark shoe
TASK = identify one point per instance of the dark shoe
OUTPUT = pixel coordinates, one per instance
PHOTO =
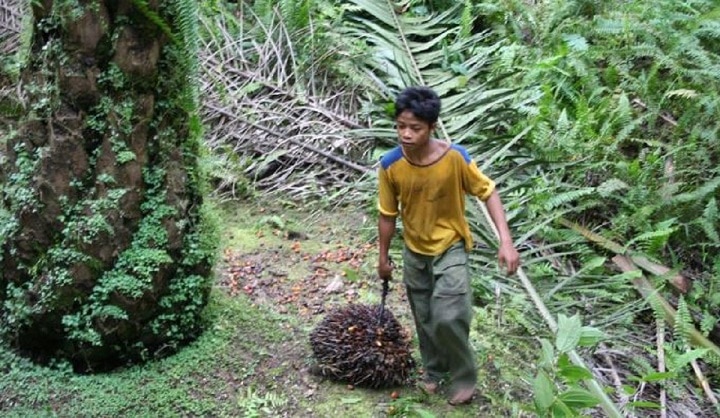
(462, 396)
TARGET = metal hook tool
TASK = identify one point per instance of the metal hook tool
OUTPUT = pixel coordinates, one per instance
(385, 291)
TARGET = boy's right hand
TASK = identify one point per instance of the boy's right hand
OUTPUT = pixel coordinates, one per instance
(385, 268)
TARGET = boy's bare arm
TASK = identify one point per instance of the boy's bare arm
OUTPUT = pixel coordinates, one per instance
(386, 230)
(507, 254)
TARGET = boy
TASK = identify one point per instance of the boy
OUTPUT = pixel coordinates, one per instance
(425, 181)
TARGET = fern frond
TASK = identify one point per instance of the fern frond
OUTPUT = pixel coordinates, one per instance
(576, 42)
(656, 239)
(611, 186)
(295, 13)
(608, 26)
(264, 10)
(186, 15)
(683, 322)
(153, 16)
(710, 221)
(699, 193)
(467, 19)
(561, 199)
(657, 309)
(683, 93)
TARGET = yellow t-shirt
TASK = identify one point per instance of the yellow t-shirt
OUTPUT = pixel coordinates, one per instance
(431, 198)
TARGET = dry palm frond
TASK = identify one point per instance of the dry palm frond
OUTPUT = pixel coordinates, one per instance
(283, 127)
(11, 22)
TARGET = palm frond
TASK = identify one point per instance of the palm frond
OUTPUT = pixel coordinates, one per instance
(11, 24)
(428, 50)
(271, 123)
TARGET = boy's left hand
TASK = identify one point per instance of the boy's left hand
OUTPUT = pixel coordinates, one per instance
(508, 256)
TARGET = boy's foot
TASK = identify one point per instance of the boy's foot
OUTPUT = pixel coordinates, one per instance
(429, 387)
(462, 396)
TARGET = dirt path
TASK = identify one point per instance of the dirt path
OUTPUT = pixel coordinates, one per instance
(301, 265)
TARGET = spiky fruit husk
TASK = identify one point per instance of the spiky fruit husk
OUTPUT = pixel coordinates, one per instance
(354, 345)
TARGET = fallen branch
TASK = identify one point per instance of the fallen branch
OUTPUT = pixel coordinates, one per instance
(680, 282)
(704, 383)
(292, 96)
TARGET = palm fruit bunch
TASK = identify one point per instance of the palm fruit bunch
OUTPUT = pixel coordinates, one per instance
(363, 345)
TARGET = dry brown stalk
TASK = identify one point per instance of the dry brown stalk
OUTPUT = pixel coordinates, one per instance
(704, 383)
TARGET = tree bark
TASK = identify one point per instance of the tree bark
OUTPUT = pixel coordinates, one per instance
(104, 256)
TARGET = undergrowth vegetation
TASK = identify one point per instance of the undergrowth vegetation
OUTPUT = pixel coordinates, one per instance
(626, 118)
(599, 121)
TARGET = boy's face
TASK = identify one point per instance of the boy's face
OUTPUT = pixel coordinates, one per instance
(413, 133)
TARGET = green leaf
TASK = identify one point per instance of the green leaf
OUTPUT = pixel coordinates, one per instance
(568, 335)
(610, 187)
(578, 398)
(573, 374)
(250, 88)
(686, 358)
(627, 276)
(560, 410)
(663, 232)
(593, 264)
(547, 356)
(645, 404)
(629, 390)
(543, 390)
(576, 42)
(657, 376)
(563, 361)
(590, 336)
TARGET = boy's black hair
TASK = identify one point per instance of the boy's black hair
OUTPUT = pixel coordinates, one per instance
(423, 102)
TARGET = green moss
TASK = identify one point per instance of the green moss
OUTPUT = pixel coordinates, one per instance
(169, 387)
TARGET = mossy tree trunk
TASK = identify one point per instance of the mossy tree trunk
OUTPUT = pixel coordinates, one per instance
(106, 254)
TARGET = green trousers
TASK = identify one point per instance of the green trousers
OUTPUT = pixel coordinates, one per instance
(438, 288)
